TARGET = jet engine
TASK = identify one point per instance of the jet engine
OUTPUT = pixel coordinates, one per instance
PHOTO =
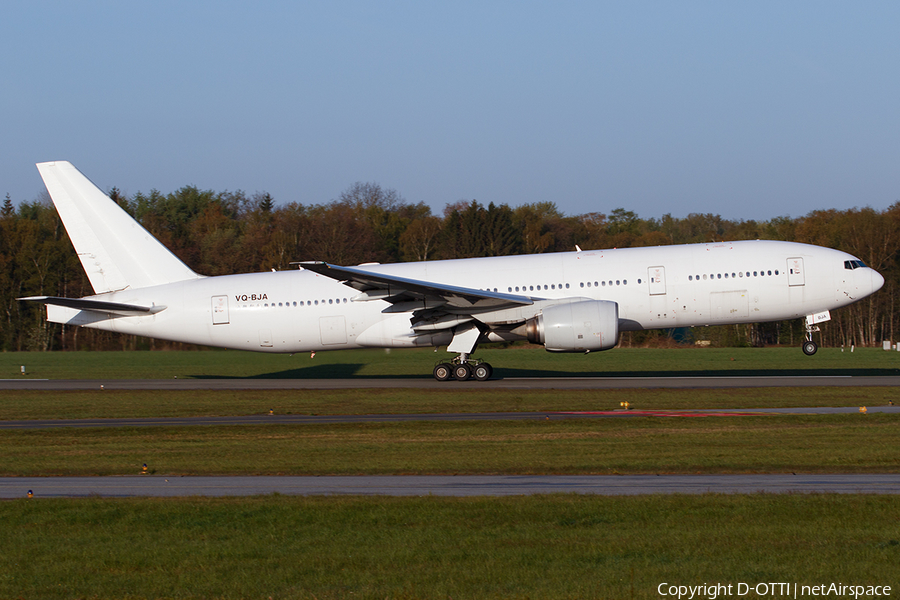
(584, 326)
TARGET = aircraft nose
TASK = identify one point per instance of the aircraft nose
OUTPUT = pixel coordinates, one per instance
(877, 280)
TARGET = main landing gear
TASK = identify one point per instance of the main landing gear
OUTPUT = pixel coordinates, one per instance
(462, 368)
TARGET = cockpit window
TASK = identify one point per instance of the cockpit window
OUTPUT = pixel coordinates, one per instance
(854, 264)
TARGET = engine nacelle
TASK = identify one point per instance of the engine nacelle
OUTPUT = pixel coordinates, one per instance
(584, 326)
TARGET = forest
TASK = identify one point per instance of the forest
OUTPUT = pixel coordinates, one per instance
(219, 233)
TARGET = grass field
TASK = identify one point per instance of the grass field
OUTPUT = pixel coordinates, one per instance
(563, 546)
(779, 444)
(556, 546)
(164, 403)
(507, 362)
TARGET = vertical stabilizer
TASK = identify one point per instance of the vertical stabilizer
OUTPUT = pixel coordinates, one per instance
(115, 251)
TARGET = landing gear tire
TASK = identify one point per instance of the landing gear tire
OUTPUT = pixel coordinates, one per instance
(482, 372)
(809, 348)
(462, 372)
(443, 372)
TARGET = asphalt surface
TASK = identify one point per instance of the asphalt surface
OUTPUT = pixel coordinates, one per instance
(461, 485)
(428, 383)
(398, 418)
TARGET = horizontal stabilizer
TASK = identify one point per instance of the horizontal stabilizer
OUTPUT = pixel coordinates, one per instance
(97, 305)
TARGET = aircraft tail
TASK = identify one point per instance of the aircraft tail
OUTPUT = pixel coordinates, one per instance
(115, 251)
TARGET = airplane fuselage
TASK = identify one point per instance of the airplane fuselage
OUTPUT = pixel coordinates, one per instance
(654, 288)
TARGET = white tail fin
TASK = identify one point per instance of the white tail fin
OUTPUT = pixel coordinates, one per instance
(115, 251)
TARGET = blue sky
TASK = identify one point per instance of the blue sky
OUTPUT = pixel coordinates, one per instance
(748, 110)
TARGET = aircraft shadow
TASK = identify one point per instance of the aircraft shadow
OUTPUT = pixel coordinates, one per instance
(352, 371)
(327, 371)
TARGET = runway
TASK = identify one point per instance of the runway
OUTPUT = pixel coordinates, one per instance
(468, 485)
(428, 383)
(398, 418)
(462, 485)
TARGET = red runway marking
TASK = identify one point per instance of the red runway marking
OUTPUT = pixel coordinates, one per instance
(661, 413)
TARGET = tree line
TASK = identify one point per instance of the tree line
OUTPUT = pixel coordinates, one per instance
(219, 233)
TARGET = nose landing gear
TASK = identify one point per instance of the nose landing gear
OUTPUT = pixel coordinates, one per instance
(809, 346)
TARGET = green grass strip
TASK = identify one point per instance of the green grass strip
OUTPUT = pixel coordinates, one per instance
(516, 361)
(777, 444)
(560, 546)
(18, 405)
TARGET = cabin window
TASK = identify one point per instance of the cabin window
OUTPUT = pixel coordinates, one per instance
(582, 284)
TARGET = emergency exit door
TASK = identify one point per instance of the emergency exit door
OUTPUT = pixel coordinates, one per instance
(220, 310)
(657, 278)
(795, 272)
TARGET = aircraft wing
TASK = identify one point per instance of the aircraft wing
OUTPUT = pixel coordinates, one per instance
(397, 290)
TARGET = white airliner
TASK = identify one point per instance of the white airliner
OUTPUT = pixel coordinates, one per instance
(568, 301)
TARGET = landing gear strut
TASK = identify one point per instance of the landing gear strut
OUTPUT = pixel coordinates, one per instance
(462, 368)
(809, 346)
